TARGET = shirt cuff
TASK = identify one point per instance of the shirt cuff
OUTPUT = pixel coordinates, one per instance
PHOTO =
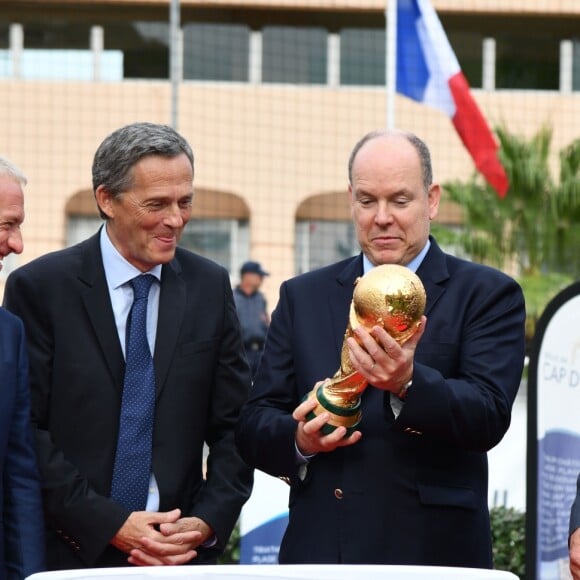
(210, 542)
(301, 459)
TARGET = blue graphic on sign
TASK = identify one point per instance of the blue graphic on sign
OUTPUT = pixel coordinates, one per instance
(558, 468)
(262, 544)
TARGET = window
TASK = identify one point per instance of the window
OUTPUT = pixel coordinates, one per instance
(9, 263)
(4, 35)
(217, 52)
(514, 53)
(321, 242)
(80, 227)
(294, 55)
(576, 65)
(145, 47)
(362, 56)
(54, 33)
(62, 65)
(468, 47)
(225, 241)
(59, 48)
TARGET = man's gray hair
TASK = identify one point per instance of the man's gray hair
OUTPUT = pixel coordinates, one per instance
(8, 168)
(117, 155)
(419, 145)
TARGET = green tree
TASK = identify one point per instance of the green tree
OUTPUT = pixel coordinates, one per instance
(231, 554)
(566, 202)
(508, 534)
(535, 229)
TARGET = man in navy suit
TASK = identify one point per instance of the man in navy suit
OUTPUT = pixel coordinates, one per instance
(409, 486)
(75, 304)
(21, 532)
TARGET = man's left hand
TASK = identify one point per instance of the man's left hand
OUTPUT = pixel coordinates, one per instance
(381, 359)
(176, 543)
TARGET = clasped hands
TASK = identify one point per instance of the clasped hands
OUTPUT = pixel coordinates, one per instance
(385, 363)
(161, 538)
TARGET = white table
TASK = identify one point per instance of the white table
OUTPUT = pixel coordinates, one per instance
(279, 572)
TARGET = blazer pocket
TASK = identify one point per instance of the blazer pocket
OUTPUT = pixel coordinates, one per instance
(444, 495)
(190, 348)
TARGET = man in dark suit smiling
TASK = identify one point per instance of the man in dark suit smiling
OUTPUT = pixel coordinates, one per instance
(409, 486)
(106, 504)
(21, 525)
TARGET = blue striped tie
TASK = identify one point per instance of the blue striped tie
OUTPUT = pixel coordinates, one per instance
(132, 469)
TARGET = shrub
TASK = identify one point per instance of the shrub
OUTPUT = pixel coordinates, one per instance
(507, 532)
(508, 527)
(231, 554)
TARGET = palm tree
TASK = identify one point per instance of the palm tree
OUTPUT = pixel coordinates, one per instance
(535, 229)
(567, 209)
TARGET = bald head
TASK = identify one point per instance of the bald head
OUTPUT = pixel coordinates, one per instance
(395, 134)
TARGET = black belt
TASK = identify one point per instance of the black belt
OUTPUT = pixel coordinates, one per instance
(254, 345)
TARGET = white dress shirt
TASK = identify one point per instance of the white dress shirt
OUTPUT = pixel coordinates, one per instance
(119, 273)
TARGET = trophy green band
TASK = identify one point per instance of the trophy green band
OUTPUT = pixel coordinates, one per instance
(340, 416)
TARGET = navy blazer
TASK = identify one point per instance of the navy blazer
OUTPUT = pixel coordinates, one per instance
(21, 529)
(414, 490)
(77, 367)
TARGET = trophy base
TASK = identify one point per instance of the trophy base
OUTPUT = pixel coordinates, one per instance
(348, 417)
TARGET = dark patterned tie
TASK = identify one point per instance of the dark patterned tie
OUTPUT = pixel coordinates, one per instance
(132, 469)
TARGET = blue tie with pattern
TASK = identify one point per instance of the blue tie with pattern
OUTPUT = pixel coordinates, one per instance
(134, 446)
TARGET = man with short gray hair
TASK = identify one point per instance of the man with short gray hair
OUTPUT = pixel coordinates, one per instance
(21, 525)
(136, 363)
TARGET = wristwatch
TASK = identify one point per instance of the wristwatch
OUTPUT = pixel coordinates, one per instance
(403, 392)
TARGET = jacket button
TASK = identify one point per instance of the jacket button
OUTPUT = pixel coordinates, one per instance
(338, 493)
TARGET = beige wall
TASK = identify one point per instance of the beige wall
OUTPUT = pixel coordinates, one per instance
(468, 6)
(272, 145)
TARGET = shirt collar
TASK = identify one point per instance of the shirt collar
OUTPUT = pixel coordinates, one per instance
(120, 271)
(413, 265)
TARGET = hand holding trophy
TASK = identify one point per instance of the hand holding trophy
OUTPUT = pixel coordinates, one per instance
(390, 296)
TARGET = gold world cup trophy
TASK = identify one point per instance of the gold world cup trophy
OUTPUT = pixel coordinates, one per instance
(390, 296)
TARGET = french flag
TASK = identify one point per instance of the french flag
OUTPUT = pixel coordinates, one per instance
(428, 71)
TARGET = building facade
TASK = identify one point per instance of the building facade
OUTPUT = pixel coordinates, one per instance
(272, 95)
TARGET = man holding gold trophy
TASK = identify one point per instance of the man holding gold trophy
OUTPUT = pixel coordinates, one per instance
(385, 380)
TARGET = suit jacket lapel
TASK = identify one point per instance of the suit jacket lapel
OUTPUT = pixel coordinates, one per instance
(341, 297)
(172, 299)
(433, 271)
(95, 295)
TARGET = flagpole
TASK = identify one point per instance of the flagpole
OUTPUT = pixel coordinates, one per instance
(391, 60)
(175, 58)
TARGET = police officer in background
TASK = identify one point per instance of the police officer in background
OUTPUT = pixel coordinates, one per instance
(251, 307)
